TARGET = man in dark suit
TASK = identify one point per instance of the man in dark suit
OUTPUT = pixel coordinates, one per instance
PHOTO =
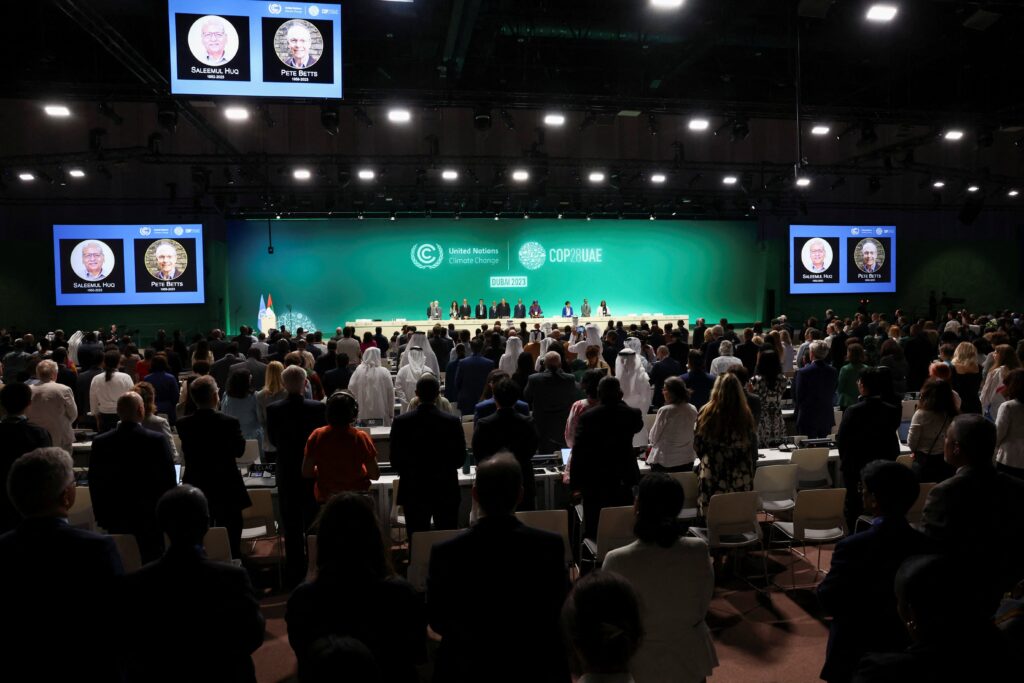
(663, 368)
(257, 368)
(504, 620)
(867, 432)
(244, 339)
(813, 388)
(481, 310)
(337, 379)
(504, 311)
(90, 352)
(17, 437)
(37, 558)
(919, 352)
(129, 469)
(520, 310)
(492, 312)
(211, 443)
(508, 430)
(222, 367)
(465, 312)
(441, 344)
(472, 377)
(974, 513)
(207, 609)
(82, 385)
(858, 590)
(710, 350)
(428, 447)
(289, 424)
(551, 393)
(748, 350)
(604, 468)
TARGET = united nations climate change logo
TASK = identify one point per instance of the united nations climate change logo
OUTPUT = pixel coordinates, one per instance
(427, 256)
(532, 255)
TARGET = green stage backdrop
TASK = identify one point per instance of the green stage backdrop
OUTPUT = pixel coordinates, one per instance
(325, 272)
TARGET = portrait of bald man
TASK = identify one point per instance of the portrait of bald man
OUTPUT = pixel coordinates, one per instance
(300, 41)
(166, 262)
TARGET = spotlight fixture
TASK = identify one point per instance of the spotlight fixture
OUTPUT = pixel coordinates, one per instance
(449, 174)
(954, 135)
(740, 130)
(76, 173)
(820, 129)
(302, 174)
(393, 216)
(882, 12)
(973, 188)
(1012, 193)
(236, 114)
(57, 110)
(667, 4)
(650, 217)
(330, 118)
(26, 176)
(658, 178)
(596, 177)
(520, 175)
(507, 119)
(554, 119)
(399, 115)
(482, 118)
(939, 184)
(366, 174)
(652, 124)
(803, 181)
(729, 180)
(698, 124)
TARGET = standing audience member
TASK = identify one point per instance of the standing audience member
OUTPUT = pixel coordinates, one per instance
(604, 467)
(967, 377)
(290, 422)
(488, 406)
(208, 609)
(53, 406)
(256, 367)
(665, 367)
(508, 430)
(677, 645)
(847, 388)
(129, 469)
(471, 378)
(427, 448)
(892, 357)
(857, 592)
(1010, 427)
(589, 382)
(152, 421)
(814, 385)
(273, 391)
(17, 437)
(1005, 361)
(211, 443)
(381, 610)
(633, 379)
(105, 389)
(373, 388)
(602, 625)
(725, 441)
(516, 638)
(672, 433)
(551, 393)
(768, 385)
(867, 432)
(927, 435)
(349, 346)
(37, 558)
(339, 457)
(724, 360)
(240, 403)
(697, 381)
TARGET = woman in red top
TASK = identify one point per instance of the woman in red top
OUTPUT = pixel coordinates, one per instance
(368, 341)
(338, 456)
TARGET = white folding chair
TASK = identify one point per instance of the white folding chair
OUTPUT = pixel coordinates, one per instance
(776, 485)
(419, 554)
(555, 521)
(614, 530)
(732, 524)
(251, 454)
(81, 514)
(128, 549)
(813, 468)
(817, 519)
(690, 485)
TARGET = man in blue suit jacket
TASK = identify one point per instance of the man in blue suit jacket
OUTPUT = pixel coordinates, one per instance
(472, 377)
(813, 389)
(858, 590)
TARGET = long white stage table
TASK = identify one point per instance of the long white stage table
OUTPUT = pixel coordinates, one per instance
(390, 326)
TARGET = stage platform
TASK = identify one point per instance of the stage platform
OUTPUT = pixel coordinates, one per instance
(389, 326)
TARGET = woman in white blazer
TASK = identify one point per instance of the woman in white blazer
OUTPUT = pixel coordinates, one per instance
(675, 581)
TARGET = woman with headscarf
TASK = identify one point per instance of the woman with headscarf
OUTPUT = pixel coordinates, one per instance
(409, 374)
(371, 385)
(637, 391)
(420, 339)
(509, 361)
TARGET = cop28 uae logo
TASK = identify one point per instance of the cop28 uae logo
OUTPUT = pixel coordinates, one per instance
(427, 256)
(532, 255)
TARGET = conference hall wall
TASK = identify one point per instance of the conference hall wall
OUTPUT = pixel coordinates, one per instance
(325, 272)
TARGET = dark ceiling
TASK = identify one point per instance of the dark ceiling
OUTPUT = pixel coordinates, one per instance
(627, 77)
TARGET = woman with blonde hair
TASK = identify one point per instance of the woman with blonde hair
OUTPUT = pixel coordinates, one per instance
(725, 442)
(1004, 361)
(967, 377)
(788, 355)
(273, 390)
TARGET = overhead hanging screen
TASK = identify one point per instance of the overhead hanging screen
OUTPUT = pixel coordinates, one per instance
(255, 49)
(842, 259)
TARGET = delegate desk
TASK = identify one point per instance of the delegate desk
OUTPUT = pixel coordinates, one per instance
(388, 327)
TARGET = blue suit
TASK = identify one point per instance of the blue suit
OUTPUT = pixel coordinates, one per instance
(489, 407)
(470, 381)
(813, 388)
(567, 312)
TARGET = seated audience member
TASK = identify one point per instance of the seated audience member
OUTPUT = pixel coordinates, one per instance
(1010, 427)
(381, 610)
(551, 392)
(516, 637)
(211, 443)
(373, 388)
(674, 580)
(814, 385)
(339, 457)
(867, 432)
(53, 406)
(508, 430)
(725, 359)
(602, 625)
(129, 469)
(672, 433)
(17, 437)
(976, 509)
(428, 447)
(39, 558)
(152, 421)
(604, 467)
(488, 406)
(857, 591)
(697, 381)
(207, 609)
(105, 389)
(927, 435)
(725, 441)
(943, 607)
